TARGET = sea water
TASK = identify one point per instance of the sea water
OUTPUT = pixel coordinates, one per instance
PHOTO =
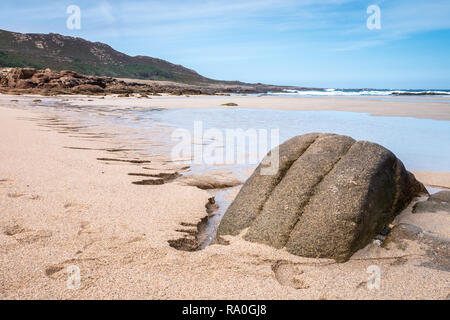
(422, 144)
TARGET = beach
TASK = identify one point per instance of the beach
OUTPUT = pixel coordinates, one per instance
(68, 199)
(436, 108)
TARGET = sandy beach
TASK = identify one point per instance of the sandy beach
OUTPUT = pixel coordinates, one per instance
(67, 199)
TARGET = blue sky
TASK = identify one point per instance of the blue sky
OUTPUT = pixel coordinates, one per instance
(323, 43)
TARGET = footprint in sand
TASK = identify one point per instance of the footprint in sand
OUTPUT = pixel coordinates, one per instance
(24, 235)
(87, 229)
(83, 226)
(33, 236)
(289, 274)
(51, 270)
(74, 207)
(15, 195)
(64, 271)
(4, 182)
(13, 229)
(68, 205)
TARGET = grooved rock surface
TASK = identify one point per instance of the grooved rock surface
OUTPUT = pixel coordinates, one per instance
(330, 196)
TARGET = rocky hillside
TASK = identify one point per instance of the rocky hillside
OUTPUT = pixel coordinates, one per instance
(59, 52)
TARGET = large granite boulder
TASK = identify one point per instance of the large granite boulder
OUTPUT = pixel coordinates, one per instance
(330, 196)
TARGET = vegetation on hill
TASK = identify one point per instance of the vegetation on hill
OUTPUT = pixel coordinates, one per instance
(90, 58)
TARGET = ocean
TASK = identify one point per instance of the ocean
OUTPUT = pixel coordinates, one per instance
(365, 92)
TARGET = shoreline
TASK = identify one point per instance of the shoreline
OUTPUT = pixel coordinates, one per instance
(62, 207)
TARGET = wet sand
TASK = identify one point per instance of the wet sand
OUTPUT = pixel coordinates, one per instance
(62, 207)
(392, 106)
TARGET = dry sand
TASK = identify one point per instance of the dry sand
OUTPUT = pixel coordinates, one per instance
(62, 207)
(433, 178)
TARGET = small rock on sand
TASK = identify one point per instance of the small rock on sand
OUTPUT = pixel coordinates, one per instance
(212, 180)
(435, 203)
(230, 104)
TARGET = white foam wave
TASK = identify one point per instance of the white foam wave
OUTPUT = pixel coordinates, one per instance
(337, 92)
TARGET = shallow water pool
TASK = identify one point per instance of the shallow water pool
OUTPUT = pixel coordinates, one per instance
(421, 144)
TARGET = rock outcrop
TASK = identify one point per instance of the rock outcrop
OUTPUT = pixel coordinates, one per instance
(28, 79)
(438, 202)
(330, 196)
(50, 82)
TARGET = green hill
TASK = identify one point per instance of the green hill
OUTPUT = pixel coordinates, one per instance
(59, 52)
